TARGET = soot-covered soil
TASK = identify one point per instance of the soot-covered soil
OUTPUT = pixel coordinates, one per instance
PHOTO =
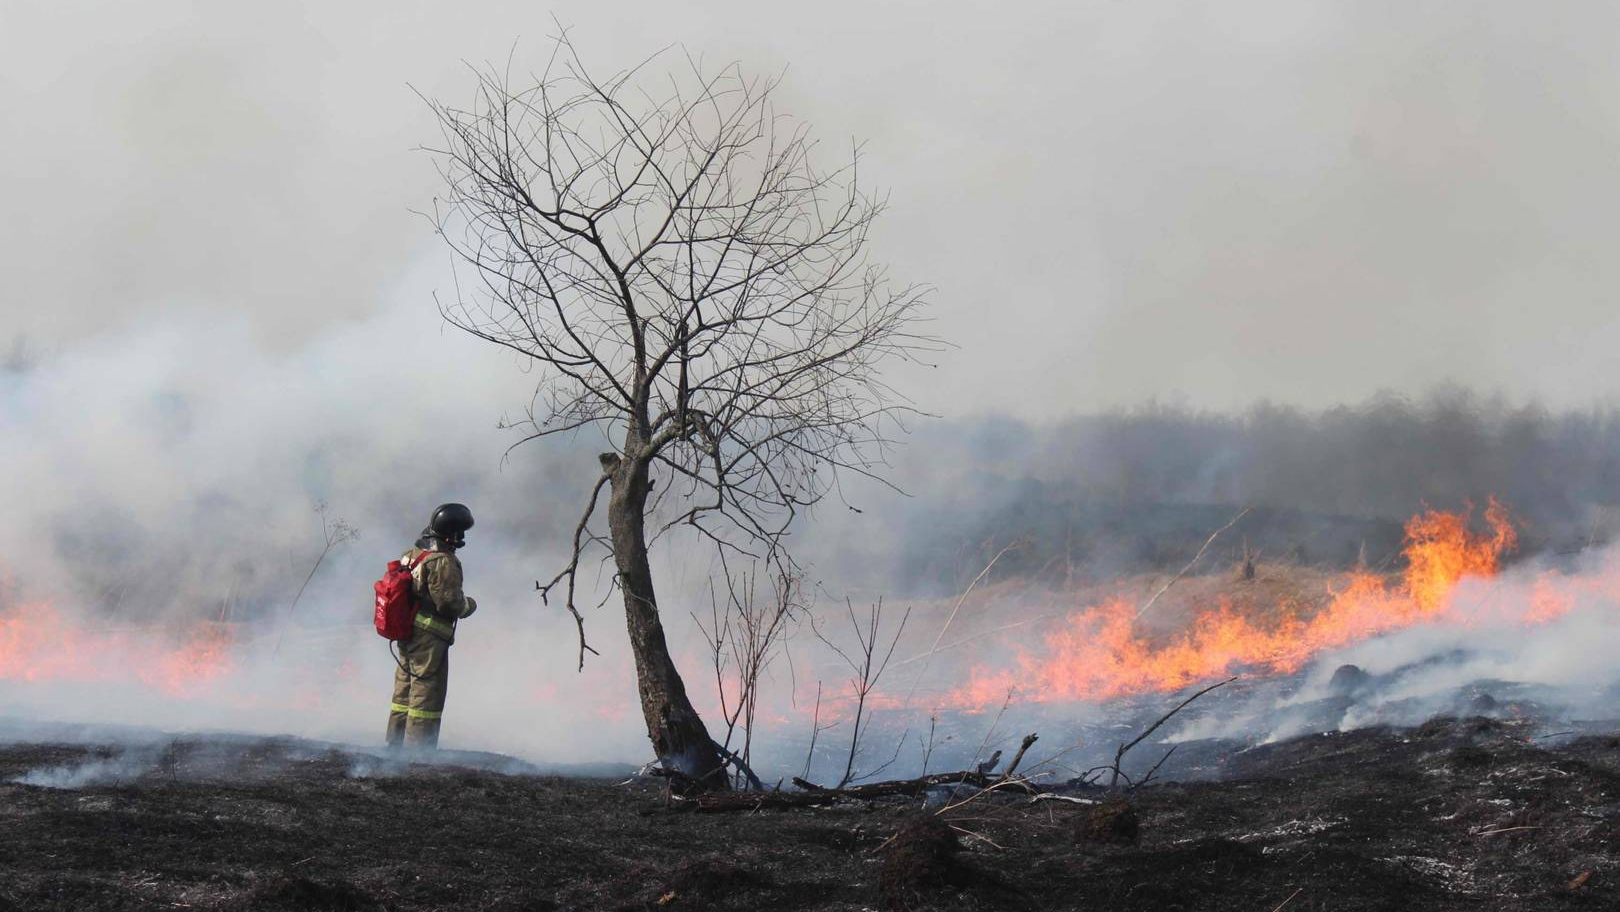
(1459, 814)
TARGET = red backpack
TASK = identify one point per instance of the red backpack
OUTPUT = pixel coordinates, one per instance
(396, 599)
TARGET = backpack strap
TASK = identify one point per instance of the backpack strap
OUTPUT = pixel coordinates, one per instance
(418, 583)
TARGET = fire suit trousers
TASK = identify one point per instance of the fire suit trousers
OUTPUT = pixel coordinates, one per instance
(421, 682)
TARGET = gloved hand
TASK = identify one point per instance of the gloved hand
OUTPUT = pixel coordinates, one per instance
(472, 605)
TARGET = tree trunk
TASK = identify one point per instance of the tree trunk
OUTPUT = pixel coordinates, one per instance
(678, 735)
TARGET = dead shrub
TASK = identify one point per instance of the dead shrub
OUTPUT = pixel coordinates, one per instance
(1112, 822)
(920, 861)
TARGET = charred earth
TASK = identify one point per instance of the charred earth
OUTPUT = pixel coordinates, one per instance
(1457, 813)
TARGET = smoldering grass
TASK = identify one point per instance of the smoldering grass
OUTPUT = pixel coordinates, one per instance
(124, 767)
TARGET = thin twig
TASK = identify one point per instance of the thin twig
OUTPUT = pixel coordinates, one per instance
(1120, 754)
(979, 836)
(1207, 542)
(1149, 777)
(1050, 796)
(1507, 830)
(948, 621)
(815, 730)
(333, 534)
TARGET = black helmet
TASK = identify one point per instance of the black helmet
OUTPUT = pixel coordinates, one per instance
(450, 523)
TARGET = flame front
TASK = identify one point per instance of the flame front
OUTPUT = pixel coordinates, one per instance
(1440, 551)
(1095, 653)
(39, 643)
(1099, 652)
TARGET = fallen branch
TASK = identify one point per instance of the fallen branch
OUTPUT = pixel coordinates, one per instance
(919, 785)
(736, 761)
(1012, 767)
(1051, 796)
(813, 794)
(1086, 778)
(979, 836)
(720, 802)
(1022, 785)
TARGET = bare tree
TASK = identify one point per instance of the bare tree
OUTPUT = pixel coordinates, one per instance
(690, 283)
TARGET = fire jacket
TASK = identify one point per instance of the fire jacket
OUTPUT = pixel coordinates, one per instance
(440, 603)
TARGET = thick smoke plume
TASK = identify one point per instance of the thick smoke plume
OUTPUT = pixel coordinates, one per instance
(163, 503)
(1281, 191)
(1537, 640)
(163, 515)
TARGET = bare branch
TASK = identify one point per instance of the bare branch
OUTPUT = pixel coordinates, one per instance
(682, 272)
(571, 571)
(1207, 542)
(1123, 748)
(868, 663)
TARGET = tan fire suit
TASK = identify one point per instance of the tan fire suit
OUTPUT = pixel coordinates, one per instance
(422, 678)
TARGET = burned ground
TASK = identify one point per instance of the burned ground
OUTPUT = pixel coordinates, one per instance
(1460, 813)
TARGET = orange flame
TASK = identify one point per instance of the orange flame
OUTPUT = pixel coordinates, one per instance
(1098, 653)
(1095, 653)
(39, 643)
(1440, 550)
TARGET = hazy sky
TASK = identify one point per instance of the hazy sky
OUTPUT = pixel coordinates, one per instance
(1212, 202)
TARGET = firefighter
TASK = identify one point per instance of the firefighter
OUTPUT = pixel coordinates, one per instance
(422, 678)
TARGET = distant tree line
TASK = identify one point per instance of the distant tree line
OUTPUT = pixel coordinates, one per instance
(1140, 488)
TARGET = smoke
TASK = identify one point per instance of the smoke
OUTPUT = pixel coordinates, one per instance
(162, 495)
(144, 753)
(224, 343)
(164, 498)
(164, 501)
(1095, 496)
(1535, 642)
(1170, 200)
(123, 768)
(1559, 666)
